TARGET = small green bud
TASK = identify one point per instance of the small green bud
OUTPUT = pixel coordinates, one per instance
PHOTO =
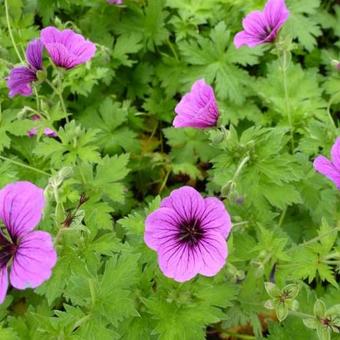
(41, 75)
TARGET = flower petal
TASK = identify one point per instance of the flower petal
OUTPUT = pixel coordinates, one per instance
(19, 81)
(255, 24)
(335, 154)
(326, 167)
(178, 261)
(215, 217)
(276, 13)
(33, 261)
(161, 227)
(60, 55)
(67, 48)
(21, 207)
(3, 283)
(50, 133)
(186, 201)
(198, 108)
(244, 38)
(34, 53)
(213, 252)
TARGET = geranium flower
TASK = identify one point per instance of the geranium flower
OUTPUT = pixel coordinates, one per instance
(47, 131)
(189, 234)
(66, 48)
(20, 78)
(198, 108)
(262, 27)
(330, 168)
(28, 255)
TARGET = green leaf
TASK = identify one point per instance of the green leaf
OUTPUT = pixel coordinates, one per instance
(319, 308)
(281, 311)
(272, 290)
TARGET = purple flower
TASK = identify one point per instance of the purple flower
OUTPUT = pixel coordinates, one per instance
(198, 108)
(116, 2)
(330, 168)
(20, 78)
(29, 255)
(47, 131)
(262, 27)
(189, 234)
(66, 48)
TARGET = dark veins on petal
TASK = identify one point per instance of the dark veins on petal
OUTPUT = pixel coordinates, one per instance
(190, 232)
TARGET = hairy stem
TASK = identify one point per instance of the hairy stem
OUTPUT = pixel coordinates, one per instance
(59, 93)
(240, 167)
(300, 314)
(11, 34)
(25, 166)
(284, 68)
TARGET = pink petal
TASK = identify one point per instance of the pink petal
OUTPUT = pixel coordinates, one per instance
(50, 133)
(32, 132)
(198, 108)
(276, 13)
(3, 283)
(213, 252)
(21, 207)
(255, 24)
(19, 81)
(161, 226)
(60, 55)
(178, 261)
(34, 54)
(33, 261)
(326, 167)
(216, 218)
(186, 201)
(49, 34)
(244, 38)
(335, 154)
(66, 48)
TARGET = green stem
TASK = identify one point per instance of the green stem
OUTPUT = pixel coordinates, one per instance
(239, 168)
(164, 181)
(11, 34)
(25, 166)
(240, 223)
(300, 315)
(172, 49)
(282, 217)
(284, 68)
(92, 292)
(315, 239)
(80, 322)
(59, 93)
(37, 98)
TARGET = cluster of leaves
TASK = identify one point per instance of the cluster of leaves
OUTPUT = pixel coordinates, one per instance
(118, 150)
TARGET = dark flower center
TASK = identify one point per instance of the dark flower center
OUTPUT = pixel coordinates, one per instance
(267, 32)
(8, 249)
(191, 232)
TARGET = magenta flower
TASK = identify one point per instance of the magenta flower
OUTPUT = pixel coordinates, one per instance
(189, 234)
(28, 254)
(262, 27)
(198, 108)
(66, 48)
(115, 2)
(330, 168)
(20, 78)
(47, 131)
